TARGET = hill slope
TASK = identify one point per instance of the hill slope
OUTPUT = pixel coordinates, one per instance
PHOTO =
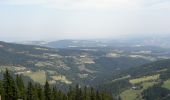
(141, 82)
(64, 66)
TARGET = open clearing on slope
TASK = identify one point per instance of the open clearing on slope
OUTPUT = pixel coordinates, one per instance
(87, 60)
(166, 84)
(122, 78)
(39, 76)
(144, 79)
(131, 94)
(61, 78)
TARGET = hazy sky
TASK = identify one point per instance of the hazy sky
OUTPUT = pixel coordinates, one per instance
(64, 19)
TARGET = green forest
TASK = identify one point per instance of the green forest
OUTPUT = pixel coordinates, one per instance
(14, 88)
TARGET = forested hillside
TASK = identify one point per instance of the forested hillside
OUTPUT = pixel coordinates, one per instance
(147, 82)
(13, 88)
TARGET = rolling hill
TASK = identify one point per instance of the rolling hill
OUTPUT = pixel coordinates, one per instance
(140, 83)
(127, 72)
(66, 66)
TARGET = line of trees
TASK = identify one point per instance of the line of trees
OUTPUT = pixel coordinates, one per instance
(13, 88)
(156, 92)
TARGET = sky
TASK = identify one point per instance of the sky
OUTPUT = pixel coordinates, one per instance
(82, 19)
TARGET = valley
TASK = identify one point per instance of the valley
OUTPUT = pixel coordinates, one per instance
(122, 70)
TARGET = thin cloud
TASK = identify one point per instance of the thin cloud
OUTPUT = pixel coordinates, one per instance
(94, 2)
(88, 4)
(155, 2)
(104, 4)
(82, 18)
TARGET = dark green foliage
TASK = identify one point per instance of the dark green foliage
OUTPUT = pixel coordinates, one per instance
(13, 89)
(115, 87)
(39, 92)
(165, 75)
(147, 69)
(47, 91)
(9, 87)
(30, 91)
(156, 93)
(1, 87)
(20, 87)
(92, 94)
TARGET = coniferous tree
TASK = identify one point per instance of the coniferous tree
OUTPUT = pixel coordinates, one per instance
(86, 93)
(65, 97)
(39, 92)
(1, 89)
(98, 96)
(92, 94)
(77, 92)
(54, 93)
(20, 87)
(47, 91)
(60, 95)
(30, 91)
(80, 93)
(71, 94)
(9, 87)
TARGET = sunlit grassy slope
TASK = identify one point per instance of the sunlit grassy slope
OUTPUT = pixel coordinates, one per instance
(166, 84)
(145, 78)
(131, 94)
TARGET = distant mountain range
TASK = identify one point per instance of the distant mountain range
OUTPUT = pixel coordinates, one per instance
(151, 40)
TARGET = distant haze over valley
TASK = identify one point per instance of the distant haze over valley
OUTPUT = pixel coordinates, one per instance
(157, 40)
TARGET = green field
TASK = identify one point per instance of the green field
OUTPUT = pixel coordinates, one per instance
(39, 76)
(131, 94)
(144, 79)
(166, 84)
